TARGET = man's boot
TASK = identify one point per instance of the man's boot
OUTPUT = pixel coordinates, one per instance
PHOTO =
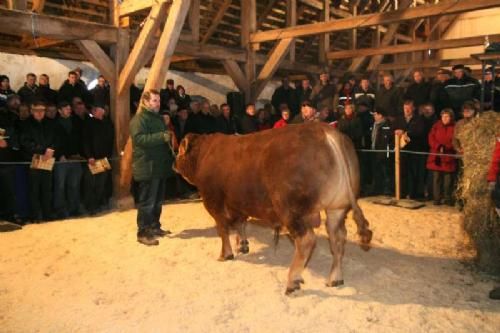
(159, 232)
(146, 238)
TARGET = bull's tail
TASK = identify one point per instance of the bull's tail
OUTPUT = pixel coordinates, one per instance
(364, 232)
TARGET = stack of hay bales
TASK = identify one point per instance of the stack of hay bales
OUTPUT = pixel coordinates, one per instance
(480, 221)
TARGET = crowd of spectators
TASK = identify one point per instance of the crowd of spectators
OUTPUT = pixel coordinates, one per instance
(73, 126)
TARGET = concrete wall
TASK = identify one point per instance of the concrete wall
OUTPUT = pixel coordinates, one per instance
(478, 23)
(213, 87)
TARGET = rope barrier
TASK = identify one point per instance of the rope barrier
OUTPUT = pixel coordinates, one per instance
(57, 162)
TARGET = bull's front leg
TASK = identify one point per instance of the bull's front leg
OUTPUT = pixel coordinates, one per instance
(226, 251)
(241, 238)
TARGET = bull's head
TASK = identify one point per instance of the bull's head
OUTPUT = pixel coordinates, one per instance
(186, 161)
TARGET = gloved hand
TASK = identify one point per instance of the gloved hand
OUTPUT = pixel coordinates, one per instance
(491, 186)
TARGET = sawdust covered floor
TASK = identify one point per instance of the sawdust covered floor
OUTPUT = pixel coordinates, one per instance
(90, 275)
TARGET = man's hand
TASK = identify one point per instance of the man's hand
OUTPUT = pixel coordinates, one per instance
(399, 132)
(91, 161)
(49, 153)
(3, 144)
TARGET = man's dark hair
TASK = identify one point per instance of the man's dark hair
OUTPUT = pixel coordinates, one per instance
(408, 102)
(72, 73)
(30, 75)
(248, 105)
(223, 105)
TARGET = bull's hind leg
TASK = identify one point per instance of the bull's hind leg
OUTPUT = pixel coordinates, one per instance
(241, 238)
(335, 226)
(303, 249)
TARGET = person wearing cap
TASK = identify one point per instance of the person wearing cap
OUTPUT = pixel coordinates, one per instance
(168, 93)
(442, 167)
(461, 88)
(307, 113)
(382, 138)
(68, 173)
(419, 90)
(97, 143)
(491, 103)
(323, 92)
(389, 99)
(40, 136)
(151, 165)
(5, 90)
(439, 97)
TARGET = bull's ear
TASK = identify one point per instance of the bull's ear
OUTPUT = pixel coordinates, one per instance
(183, 147)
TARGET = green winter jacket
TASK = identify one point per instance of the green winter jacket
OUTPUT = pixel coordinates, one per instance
(151, 157)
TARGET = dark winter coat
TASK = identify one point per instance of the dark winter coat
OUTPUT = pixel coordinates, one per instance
(248, 124)
(100, 95)
(97, 138)
(461, 91)
(439, 97)
(37, 136)
(70, 132)
(415, 128)
(419, 93)
(366, 98)
(67, 92)
(28, 94)
(225, 125)
(4, 94)
(8, 124)
(285, 95)
(46, 94)
(353, 128)
(389, 101)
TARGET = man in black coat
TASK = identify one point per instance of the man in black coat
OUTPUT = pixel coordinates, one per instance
(388, 99)
(439, 95)
(167, 93)
(40, 136)
(72, 88)
(412, 165)
(382, 162)
(29, 92)
(461, 88)
(419, 91)
(285, 94)
(100, 93)
(303, 94)
(225, 122)
(45, 93)
(97, 139)
(248, 122)
(8, 145)
(68, 174)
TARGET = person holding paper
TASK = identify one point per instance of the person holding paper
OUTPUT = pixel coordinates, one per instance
(39, 142)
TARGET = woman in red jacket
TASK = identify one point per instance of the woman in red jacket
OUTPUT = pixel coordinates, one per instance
(443, 167)
(494, 182)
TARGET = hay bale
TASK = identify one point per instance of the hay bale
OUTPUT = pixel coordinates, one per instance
(480, 220)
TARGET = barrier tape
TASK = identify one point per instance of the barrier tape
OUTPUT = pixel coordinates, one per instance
(57, 162)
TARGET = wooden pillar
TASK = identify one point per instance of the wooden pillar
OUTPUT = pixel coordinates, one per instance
(291, 20)
(194, 20)
(324, 40)
(248, 26)
(397, 174)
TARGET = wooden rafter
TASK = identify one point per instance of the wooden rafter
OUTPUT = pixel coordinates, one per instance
(217, 19)
(263, 16)
(194, 20)
(403, 48)
(438, 63)
(15, 22)
(128, 7)
(166, 46)
(135, 59)
(442, 8)
(98, 57)
(234, 71)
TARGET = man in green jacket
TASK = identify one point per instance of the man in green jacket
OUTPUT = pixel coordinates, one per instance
(151, 163)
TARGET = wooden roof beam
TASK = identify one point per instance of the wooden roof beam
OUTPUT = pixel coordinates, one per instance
(442, 8)
(438, 63)
(218, 18)
(404, 48)
(18, 23)
(128, 7)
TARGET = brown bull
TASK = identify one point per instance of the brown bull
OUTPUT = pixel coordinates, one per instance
(287, 176)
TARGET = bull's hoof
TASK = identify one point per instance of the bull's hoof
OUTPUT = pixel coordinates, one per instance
(299, 281)
(226, 258)
(335, 283)
(291, 290)
(244, 249)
